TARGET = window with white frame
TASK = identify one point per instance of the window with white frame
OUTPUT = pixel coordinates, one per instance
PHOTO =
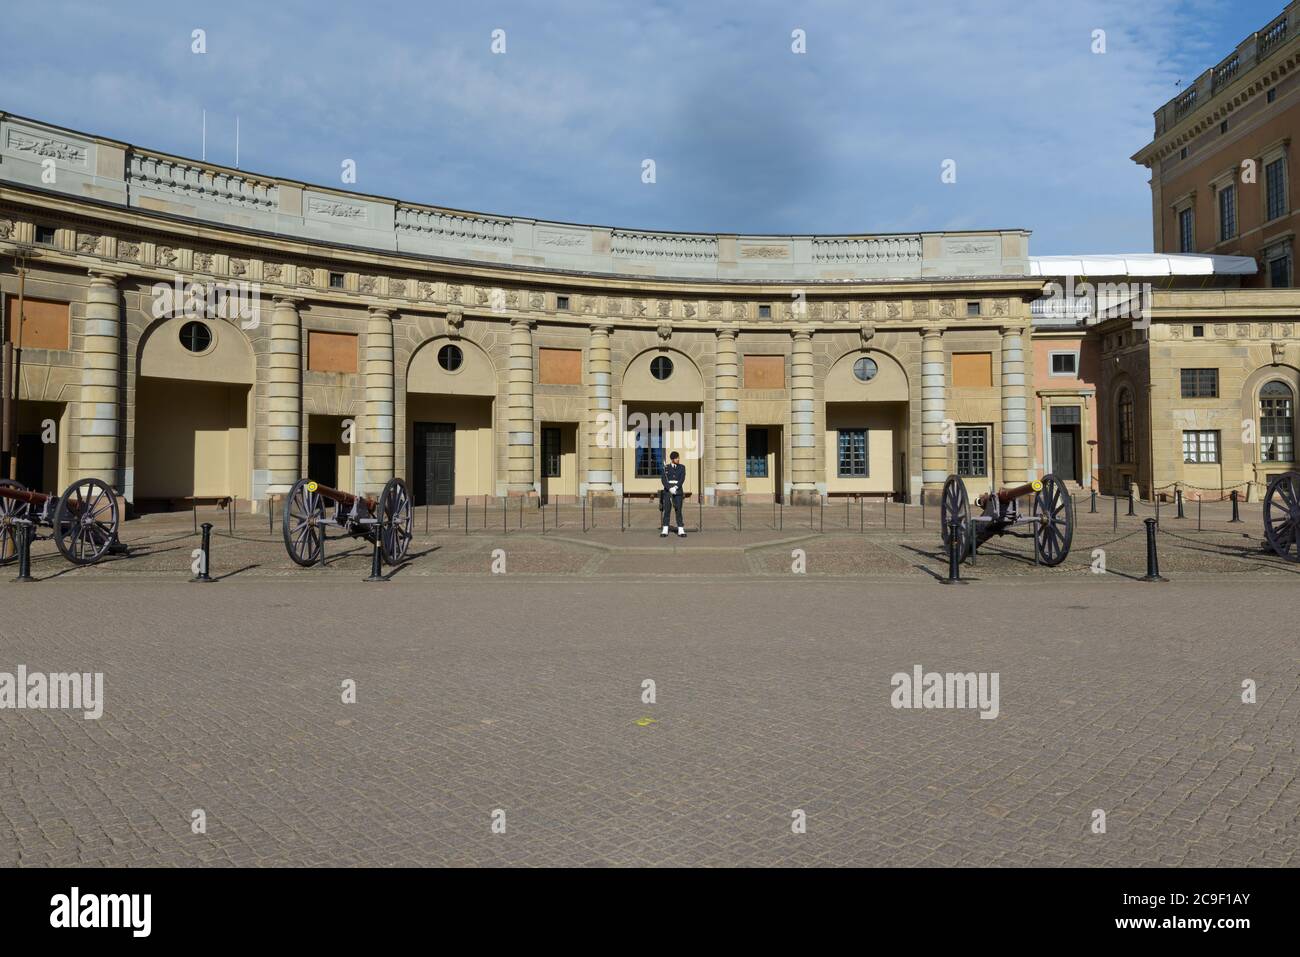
(1065, 363)
(1201, 447)
(1276, 422)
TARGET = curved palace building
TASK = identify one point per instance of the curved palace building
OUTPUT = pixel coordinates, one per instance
(195, 332)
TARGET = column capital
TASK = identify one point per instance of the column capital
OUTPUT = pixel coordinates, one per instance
(105, 277)
(384, 312)
(294, 301)
(932, 332)
(1012, 330)
(522, 323)
(802, 332)
(728, 332)
(601, 328)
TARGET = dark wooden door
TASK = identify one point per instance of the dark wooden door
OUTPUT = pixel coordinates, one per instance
(1065, 457)
(435, 463)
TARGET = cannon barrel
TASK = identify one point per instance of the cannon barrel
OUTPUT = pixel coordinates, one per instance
(24, 495)
(346, 499)
(1006, 495)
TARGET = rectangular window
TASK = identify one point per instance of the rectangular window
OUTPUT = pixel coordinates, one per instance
(1198, 332)
(336, 280)
(44, 235)
(1186, 231)
(972, 451)
(550, 453)
(1279, 267)
(649, 452)
(972, 309)
(1200, 383)
(1227, 212)
(853, 453)
(1276, 424)
(765, 312)
(1201, 448)
(1275, 183)
(1272, 94)
(756, 453)
(561, 302)
(1065, 363)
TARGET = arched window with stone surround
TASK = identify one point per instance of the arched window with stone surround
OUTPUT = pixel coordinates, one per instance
(1124, 426)
(1276, 422)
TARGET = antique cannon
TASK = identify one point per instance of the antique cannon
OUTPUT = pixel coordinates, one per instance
(1282, 515)
(312, 508)
(1051, 516)
(82, 521)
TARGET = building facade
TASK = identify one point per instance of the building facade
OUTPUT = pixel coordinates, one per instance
(1222, 158)
(193, 332)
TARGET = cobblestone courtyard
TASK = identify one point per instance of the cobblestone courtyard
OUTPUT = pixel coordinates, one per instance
(522, 692)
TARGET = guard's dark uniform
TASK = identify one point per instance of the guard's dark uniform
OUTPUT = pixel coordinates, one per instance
(674, 481)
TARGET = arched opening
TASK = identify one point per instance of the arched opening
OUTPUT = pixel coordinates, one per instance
(193, 396)
(663, 397)
(867, 415)
(1276, 423)
(451, 385)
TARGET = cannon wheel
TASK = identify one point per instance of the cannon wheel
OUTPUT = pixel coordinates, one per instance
(12, 512)
(954, 506)
(1055, 528)
(304, 524)
(85, 521)
(394, 521)
(1282, 515)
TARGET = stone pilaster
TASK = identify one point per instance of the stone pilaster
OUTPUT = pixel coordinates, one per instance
(1015, 421)
(726, 442)
(378, 435)
(603, 428)
(803, 440)
(934, 391)
(519, 409)
(99, 403)
(284, 398)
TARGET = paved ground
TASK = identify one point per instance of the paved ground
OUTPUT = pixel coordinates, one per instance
(523, 693)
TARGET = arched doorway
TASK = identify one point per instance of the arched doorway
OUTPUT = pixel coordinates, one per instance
(451, 385)
(663, 398)
(867, 417)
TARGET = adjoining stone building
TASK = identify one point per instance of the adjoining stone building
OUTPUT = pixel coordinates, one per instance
(486, 355)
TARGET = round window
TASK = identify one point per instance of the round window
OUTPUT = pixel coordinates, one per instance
(865, 369)
(196, 337)
(661, 367)
(450, 357)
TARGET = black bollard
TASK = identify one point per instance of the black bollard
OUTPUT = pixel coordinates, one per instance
(1092, 509)
(376, 562)
(1156, 496)
(1153, 563)
(1200, 500)
(954, 555)
(740, 520)
(1114, 507)
(1178, 498)
(1236, 515)
(1132, 490)
(203, 577)
(25, 553)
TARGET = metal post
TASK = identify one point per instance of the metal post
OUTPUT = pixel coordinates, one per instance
(466, 514)
(521, 513)
(1156, 497)
(203, 576)
(862, 515)
(234, 514)
(1200, 500)
(1132, 490)
(194, 509)
(1236, 515)
(954, 554)
(622, 515)
(1153, 564)
(1178, 498)
(740, 520)
(1114, 523)
(376, 563)
(904, 516)
(270, 514)
(25, 553)
(780, 516)
(584, 514)
(1092, 509)
(884, 510)
(505, 517)
(822, 514)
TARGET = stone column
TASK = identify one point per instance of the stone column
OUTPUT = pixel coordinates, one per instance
(803, 440)
(100, 404)
(604, 432)
(284, 398)
(1015, 421)
(934, 392)
(378, 371)
(726, 443)
(519, 410)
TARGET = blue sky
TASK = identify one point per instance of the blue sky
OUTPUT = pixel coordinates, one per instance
(746, 135)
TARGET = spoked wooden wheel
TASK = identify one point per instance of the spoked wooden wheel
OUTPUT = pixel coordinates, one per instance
(1282, 515)
(1055, 528)
(304, 524)
(954, 506)
(85, 521)
(394, 521)
(13, 514)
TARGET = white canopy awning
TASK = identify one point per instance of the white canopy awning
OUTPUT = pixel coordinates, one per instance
(1142, 264)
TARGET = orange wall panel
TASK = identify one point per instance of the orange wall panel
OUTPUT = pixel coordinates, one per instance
(559, 366)
(331, 352)
(972, 370)
(764, 372)
(45, 323)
